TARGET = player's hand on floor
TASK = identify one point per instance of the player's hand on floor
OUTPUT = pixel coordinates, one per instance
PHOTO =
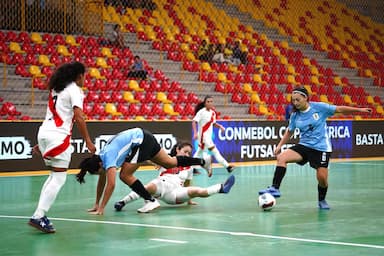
(192, 203)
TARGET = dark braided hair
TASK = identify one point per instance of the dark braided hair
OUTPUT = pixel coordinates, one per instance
(89, 164)
(201, 104)
(65, 74)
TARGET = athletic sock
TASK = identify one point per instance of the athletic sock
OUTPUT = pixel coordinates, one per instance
(219, 157)
(322, 192)
(214, 189)
(278, 176)
(130, 197)
(184, 161)
(138, 187)
(51, 188)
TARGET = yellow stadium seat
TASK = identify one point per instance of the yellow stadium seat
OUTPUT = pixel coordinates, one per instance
(35, 71)
(352, 64)
(129, 97)
(62, 49)
(222, 77)
(248, 88)
(168, 109)
(291, 70)
(380, 110)
(106, 52)
(348, 100)
(257, 78)
(162, 97)
(100, 62)
(314, 71)
(324, 98)
(368, 73)
(139, 118)
(134, 85)
(44, 60)
(260, 60)
(337, 80)
(110, 108)
(69, 39)
(263, 109)
(255, 98)
(15, 47)
(190, 56)
(291, 79)
(309, 89)
(206, 67)
(315, 80)
(370, 100)
(95, 73)
(283, 60)
(36, 38)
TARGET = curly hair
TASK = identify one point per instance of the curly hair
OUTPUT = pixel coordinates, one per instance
(65, 74)
(89, 164)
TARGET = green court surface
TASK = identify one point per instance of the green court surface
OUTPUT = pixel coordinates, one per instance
(230, 224)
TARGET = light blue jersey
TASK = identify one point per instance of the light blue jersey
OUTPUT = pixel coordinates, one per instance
(312, 125)
(120, 146)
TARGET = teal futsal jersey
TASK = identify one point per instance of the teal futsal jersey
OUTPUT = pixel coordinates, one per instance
(120, 146)
(313, 126)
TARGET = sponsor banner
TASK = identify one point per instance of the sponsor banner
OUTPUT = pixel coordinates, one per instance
(18, 138)
(257, 140)
(240, 142)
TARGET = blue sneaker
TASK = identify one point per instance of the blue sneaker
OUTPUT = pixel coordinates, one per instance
(271, 190)
(42, 224)
(119, 205)
(323, 205)
(226, 187)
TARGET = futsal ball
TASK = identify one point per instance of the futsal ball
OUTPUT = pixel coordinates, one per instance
(266, 201)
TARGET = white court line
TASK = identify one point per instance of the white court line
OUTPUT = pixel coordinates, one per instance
(169, 241)
(209, 231)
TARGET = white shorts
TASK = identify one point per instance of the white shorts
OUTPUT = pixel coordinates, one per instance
(206, 142)
(170, 191)
(55, 148)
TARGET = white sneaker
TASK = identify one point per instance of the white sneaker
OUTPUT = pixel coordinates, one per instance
(149, 206)
(208, 164)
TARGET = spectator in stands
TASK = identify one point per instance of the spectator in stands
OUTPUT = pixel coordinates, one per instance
(219, 54)
(117, 38)
(202, 52)
(238, 55)
(64, 108)
(137, 69)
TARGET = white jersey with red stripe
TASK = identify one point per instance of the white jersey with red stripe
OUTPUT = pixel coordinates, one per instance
(179, 174)
(59, 116)
(55, 132)
(170, 184)
(205, 119)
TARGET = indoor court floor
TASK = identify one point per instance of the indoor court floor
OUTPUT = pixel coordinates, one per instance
(223, 224)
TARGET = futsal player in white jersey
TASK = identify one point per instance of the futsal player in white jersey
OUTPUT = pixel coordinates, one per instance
(172, 186)
(128, 150)
(314, 145)
(65, 104)
(202, 125)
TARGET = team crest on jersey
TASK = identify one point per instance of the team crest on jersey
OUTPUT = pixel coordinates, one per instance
(316, 116)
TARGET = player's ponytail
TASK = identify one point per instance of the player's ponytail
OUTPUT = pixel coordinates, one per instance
(91, 165)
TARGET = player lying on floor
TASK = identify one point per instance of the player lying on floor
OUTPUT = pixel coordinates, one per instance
(172, 186)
